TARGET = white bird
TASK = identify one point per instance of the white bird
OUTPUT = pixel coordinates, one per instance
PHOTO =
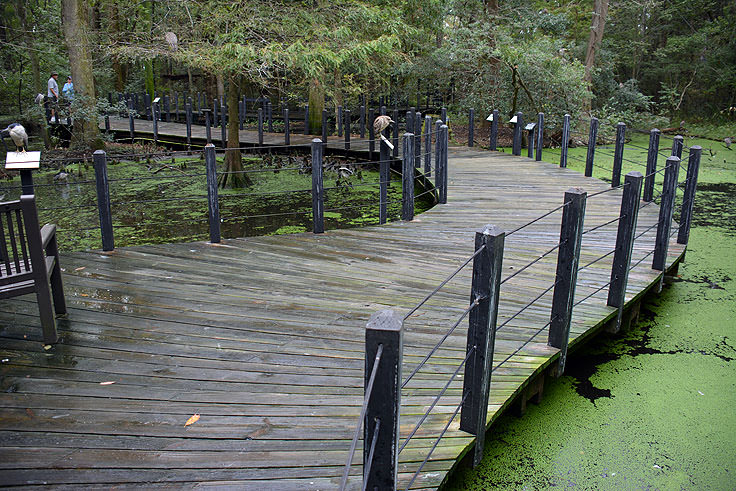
(379, 125)
(18, 134)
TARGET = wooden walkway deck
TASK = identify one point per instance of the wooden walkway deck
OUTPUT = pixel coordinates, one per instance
(263, 337)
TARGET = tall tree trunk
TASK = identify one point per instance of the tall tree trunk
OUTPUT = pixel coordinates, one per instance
(220, 83)
(316, 106)
(117, 66)
(28, 39)
(597, 25)
(76, 34)
(233, 157)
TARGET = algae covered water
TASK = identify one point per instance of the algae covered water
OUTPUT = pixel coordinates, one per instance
(652, 408)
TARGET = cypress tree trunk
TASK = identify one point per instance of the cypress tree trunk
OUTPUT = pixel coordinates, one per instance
(316, 106)
(233, 157)
(76, 33)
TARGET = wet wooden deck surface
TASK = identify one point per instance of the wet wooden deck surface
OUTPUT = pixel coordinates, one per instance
(263, 338)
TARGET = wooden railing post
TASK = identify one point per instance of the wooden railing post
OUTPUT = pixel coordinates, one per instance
(624, 243)
(318, 197)
(618, 154)
(651, 164)
(540, 135)
(407, 178)
(215, 112)
(287, 127)
(176, 107)
(269, 109)
(438, 158)
(207, 125)
(481, 334)
(241, 114)
(568, 259)
(565, 140)
(443, 115)
(371, 134)
(103, 200)
(260, 126)
(688, 198)
(361, 122)
(530, 146)
(418, 140)
(471, 126)
(385, 166)
(131, 121)
(339, 121)
(306, 119)
(666, 209)
(155, 122)
(167, 108)
(518, 128)
(494, 131)
(395, 140)
(348, 128)
(147, 104)
(210, 161)
(223, 125)
(427, 146)
(677, 145)
(188, 119)
(384, 332)
(444, 137)
(592, 138)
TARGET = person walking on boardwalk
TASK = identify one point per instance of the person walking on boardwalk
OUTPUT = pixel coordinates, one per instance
(68, 89)
(52, 94)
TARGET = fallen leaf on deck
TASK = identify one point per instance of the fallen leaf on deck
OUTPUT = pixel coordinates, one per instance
(84, 295)
(109, 382)
(80, 269)
(192, 420)
(47, 347)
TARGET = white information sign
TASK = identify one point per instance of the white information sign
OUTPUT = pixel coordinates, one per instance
(22, 160)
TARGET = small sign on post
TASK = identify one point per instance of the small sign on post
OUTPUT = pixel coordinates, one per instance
(24, 162)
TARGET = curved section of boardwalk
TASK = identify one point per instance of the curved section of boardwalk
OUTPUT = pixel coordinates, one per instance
(263, 338)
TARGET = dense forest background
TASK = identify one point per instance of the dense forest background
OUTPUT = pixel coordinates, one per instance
(629, 60)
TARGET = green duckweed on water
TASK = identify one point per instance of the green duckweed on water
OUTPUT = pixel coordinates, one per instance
(652, 408)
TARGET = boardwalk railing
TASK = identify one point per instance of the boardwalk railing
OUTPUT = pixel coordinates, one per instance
(114, 197)
(384, 330)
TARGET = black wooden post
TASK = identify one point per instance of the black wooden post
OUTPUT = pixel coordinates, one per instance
(418, 140)
(427, 146)
(666, 209)
(592, 138)
(176, 107)
(223, 125)
(107, 123)
(318, 197)
(155, 122)
(471, 126)
(651, 164)
(383, 332)
(437, 156)
(624, 243)
(371, 134)
(395, 139)
(494, 130)
(306, 119)
(518, 128)
(568, 258)
(103, 200)
(287, 127)
(540, 135)
(565, 140)
(362, 122)
(131, 121)
(618, 154)
(443, 115)
(167, 108)
(147, 104)
(207, 124)
(677, 144)
(444, 136)
(189, 125)
(339, 121)
(348, 128)
(481, 334)
(260, 126)
(215, 112)
(199, 103)
(269, 109)
(407, 178)
(688, 198)
(385, 166)
(212, 200)
(325, 128)
(530, 139)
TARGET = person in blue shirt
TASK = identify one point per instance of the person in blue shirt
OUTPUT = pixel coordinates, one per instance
(68, 90)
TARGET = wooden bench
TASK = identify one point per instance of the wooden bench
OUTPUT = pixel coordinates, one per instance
(29, 259)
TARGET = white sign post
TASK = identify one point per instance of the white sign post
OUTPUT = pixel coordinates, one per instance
(24, 162)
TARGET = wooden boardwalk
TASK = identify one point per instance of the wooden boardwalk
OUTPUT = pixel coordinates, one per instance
(264, 337)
